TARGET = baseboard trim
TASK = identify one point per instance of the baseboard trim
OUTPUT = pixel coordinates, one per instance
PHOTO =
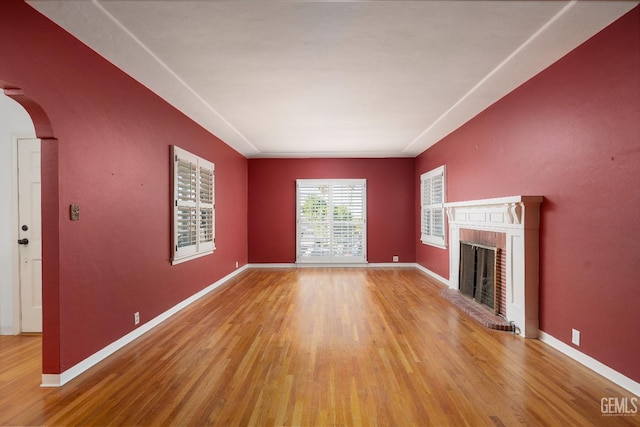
(591, 363)
(273, 265)
(334, 265)
(58, 380)
(392, 265)
(433, 275)
(588, 361)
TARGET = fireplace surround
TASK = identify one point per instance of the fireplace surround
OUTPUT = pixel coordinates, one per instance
(518, 217)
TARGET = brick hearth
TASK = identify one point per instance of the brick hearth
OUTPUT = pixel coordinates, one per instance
(476, 311)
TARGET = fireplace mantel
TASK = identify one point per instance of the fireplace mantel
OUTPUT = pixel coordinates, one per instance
(519, 218)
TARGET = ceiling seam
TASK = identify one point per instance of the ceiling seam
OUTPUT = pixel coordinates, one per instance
(171, 72)
(494, 71)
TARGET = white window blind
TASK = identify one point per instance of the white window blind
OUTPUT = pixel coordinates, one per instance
(432, 195)
(193, 206)
(331, 221)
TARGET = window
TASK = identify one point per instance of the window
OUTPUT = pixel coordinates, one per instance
(331, 220)
(432, 199)
(193, 206)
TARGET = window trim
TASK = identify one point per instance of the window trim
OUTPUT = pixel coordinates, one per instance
(427, 179)
(199, 203)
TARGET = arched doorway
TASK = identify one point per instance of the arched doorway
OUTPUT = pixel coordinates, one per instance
(50, 233)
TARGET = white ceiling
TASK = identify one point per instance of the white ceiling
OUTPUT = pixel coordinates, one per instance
(339, 79)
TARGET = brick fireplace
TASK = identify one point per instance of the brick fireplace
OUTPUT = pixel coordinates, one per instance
(512, 225)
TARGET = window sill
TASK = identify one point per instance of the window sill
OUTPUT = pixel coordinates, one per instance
(190, 257)
(435, 245)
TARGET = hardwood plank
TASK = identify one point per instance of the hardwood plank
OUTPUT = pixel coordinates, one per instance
(315, 346)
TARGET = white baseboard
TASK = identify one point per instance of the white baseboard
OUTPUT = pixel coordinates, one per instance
(588, 361)
(57, 380)
(591, 363)
(392, 265)
(273, 265)
(433, 275)
(333, 265)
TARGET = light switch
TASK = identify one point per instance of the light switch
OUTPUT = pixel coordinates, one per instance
(74, 211)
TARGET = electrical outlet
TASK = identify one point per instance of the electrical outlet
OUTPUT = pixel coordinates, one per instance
(395, 258)
(237, 263)
(575, 337)
(136, 318)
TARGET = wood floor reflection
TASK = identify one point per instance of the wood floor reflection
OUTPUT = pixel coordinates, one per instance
(314, 347)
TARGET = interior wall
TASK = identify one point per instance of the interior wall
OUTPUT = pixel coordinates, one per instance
(112, 157)
(14, 122)
(272, 205)
(572, 135)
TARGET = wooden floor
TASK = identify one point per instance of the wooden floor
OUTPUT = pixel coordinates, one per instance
(315, 347)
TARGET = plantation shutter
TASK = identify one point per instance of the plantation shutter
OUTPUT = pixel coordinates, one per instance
(206, 206)
(432, 207)
(193, 200)
(348, 220)
(313, 228)
(331, 221)
(185, 206)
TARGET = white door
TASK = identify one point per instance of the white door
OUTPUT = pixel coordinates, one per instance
(30, 235)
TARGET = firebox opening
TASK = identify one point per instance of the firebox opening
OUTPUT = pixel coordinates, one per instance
(478, 274)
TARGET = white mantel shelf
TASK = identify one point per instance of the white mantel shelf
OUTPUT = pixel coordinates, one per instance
(510, 212)
(498, 201)
(519, 218)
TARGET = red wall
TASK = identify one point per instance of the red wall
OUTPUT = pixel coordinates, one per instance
(272, 207)
(571, 134)
(111, 155)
